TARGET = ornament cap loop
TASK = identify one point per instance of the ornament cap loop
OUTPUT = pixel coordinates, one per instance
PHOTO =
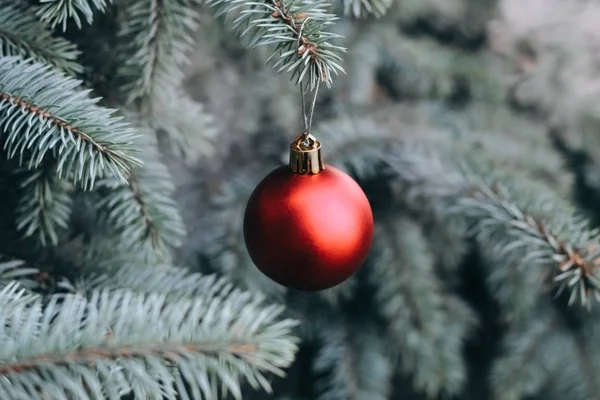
(305, 155)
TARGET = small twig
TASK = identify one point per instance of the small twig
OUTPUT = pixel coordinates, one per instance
(294, 22)
(91, 356)
(151, 230)
(58, 122)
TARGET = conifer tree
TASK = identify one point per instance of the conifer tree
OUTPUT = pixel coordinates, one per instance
(93, 302)
(132, 133)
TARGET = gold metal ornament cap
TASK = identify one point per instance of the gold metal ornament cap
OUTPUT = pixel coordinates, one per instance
(305, 155)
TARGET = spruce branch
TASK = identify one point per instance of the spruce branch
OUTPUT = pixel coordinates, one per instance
(420, 68)
(515, 219)
(190, 135)
(345, 291)
(355, 144)
(353, 364)
(532, 352)
(22, 35)
(45, 114)
(44, 206)
(104, 254)
(537, 230)
(221, 238)
(16, 271)
(541, 356)
(297, 28)
(156, 37)
(143, 211)
(357, 8)
(427, 325)
(119, 342)
(59, 12)
(176, 283)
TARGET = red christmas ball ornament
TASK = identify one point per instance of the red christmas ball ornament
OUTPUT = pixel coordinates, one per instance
(308, 226)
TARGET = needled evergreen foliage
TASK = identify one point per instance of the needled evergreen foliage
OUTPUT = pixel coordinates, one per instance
(92, 302)
(132, 133)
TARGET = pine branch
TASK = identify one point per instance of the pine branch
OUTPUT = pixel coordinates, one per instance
(296, 28)
(531, 228)
(96, 250)
(357, 8)
(156, 37)
(221, 238)
(518, 221)
(59, 12)
(143, 212)
(354, 144)
(174, 282)
(420, 68)
(16, 270)
(342, 292)
(117, 342)
(534, 352)
(44, 206)
(429, 182)
(428, 325)
(22, 35)
(357, 144)
(190, 135)
(515, 219)
(510, 143)
(353, 365)
(43, 113)
(585, 354)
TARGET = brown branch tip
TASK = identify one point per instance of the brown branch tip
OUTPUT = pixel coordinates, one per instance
(295, 21)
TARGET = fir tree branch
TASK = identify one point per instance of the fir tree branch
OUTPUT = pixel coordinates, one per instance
(520, 373)
(174, 282)
(44, 206)
(586, 358)
(44, 113)
(355, 144)
(143, 211)
(528, 228)
(428, 326)
(515, 219)
(533, 353)
(56, 12)
(420, 68)
(221, 238)
(95, 251)
(532, 233)
(190, 135)
(117, 342)
(353, 365)
(16, 270)
(342, 292)
(22, 35)
(518, 221)
(156, 37)
(296, 28)
(357, 8)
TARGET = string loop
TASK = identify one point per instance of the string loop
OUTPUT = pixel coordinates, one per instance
(307, 114)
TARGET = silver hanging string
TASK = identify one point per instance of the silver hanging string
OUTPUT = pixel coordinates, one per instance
(312, 107)
(308, 116)
(303, 107)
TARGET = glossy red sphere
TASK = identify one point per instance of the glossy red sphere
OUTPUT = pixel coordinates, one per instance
(308, 232)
